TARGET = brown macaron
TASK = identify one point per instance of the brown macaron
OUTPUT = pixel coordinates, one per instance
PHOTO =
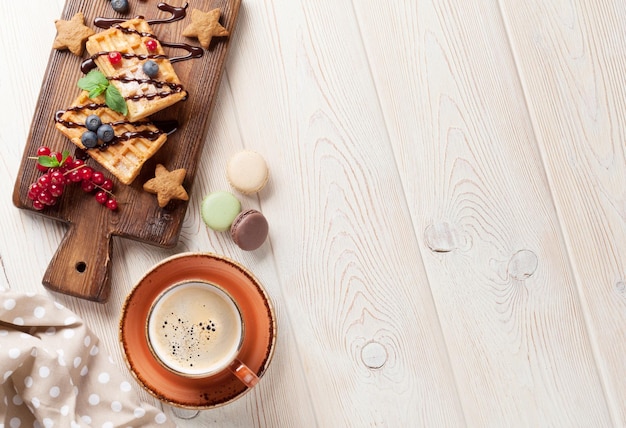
(249, 230)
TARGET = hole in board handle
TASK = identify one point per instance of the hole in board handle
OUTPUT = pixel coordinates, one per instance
(81, 267)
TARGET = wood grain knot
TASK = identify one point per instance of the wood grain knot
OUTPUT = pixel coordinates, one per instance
(374, 355)
(441, 238)
(620, 288)
(522, 265)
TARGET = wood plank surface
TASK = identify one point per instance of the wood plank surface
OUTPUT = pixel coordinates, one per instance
(483, 212)
(446, 208)
(576, 101)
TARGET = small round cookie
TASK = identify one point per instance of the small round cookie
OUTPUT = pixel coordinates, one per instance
(249, 230)
(247, 172)
(219, 209)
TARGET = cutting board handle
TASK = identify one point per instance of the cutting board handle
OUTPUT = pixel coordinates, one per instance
(81, 265)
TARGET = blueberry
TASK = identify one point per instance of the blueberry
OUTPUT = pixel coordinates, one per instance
(120, 6)
(89, 139)
(151, 68)
(93, 122)
(106, 133)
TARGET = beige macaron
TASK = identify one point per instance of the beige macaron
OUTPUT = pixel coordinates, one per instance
(247, 172)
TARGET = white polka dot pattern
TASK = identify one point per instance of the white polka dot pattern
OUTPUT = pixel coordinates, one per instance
(57, 368)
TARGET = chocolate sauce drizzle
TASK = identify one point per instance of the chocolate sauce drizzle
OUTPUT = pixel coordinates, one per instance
(192, 52)
(58, 117)
(90, 64)
(177, 13)
(170, 126)
(69, 123)
(175, 87)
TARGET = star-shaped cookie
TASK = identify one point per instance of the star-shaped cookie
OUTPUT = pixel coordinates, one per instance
(167, 185)
(204, 26)
(72, 34)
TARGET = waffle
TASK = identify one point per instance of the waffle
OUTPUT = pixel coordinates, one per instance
(134, 144)
(144, 96)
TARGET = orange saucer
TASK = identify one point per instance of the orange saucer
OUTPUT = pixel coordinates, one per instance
(258, 316)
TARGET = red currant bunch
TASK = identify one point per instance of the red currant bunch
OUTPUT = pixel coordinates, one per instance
(59, 170)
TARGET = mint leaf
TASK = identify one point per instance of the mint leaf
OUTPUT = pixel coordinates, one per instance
(97, 90)
(115, 101)
(65, 155)
(53, 161)
(96, 83)
(48, 161)
(94, 80)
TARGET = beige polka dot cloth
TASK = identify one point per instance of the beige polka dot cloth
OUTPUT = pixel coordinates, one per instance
(54, 374)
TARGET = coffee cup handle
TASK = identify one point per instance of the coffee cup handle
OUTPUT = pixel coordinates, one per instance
(244, 373)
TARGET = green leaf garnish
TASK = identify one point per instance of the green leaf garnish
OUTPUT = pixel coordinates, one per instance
(52, 161)
(94, 80)
(115, 100)
(97, 90)
(65, 154)
(48, 161)
(96, 83)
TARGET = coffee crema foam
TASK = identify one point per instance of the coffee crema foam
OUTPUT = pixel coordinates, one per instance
(195, 329)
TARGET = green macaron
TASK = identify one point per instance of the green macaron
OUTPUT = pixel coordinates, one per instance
(219, 210)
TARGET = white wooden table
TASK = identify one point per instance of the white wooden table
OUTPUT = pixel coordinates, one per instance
(447, 207)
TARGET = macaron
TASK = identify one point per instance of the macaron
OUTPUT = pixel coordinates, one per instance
(247, 172)
(219, 209)
(249, 230)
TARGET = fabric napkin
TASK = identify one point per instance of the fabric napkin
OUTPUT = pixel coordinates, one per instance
(54, 374)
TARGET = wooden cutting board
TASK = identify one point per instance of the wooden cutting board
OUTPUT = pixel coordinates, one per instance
(81, 265)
